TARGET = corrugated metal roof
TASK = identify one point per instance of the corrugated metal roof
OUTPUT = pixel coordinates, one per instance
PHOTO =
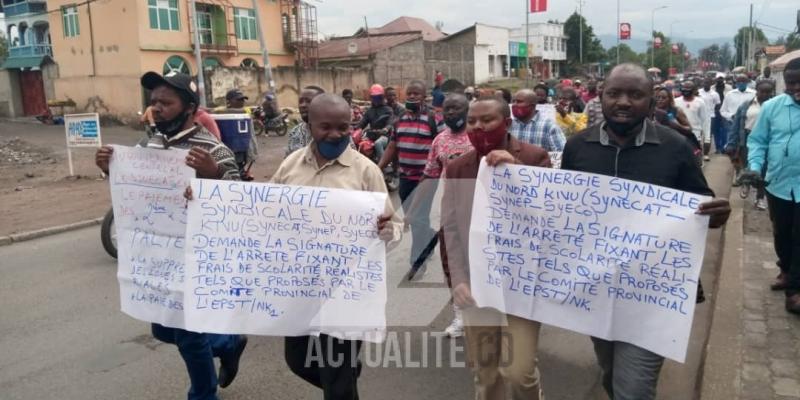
(338, 48)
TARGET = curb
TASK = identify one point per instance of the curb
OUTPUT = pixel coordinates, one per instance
(721, 373)
(53, 230)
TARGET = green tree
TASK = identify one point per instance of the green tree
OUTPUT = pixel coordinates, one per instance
(626, 55)
(793, 41)
(725, 57)
(741, 40)
(592, 48)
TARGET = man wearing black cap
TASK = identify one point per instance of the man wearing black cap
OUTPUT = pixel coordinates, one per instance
(173, 99)
(235, 99)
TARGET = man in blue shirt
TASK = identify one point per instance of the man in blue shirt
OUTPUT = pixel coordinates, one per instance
(775, 142)
(532, 127)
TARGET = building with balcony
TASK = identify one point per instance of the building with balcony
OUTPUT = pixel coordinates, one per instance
(102, 48)
(27, 30)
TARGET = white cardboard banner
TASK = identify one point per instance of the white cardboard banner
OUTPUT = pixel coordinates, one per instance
(285, 260)
(147, 188)
(594, 254)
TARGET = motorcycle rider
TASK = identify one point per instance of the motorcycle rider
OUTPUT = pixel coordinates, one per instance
(391, 101)
(379, 118)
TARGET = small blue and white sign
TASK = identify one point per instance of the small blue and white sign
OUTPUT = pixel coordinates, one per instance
(83, 130)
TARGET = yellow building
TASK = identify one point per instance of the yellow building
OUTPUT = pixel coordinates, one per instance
(101, 48)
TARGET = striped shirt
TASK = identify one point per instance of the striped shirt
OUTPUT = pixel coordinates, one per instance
(198, 136)
(414, 140)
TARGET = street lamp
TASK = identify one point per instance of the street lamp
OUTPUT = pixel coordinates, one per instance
(670, 39)
(653, 36)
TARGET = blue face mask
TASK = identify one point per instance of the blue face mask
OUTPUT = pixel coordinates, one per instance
(741, 86)
(331, 150)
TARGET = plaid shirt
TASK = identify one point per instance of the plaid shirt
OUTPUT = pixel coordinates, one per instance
(539, 131)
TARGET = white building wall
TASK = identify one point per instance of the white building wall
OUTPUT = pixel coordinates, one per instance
(482, 64)
(491, 47)
(547, 40)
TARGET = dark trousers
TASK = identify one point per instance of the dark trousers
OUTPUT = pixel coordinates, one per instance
(198, 351)
(785, 216)
(423, 237)
(719, 131)
(326, 362)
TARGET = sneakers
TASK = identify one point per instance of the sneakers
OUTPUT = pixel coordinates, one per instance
(456, 328)
(761, 204)
(706, 158)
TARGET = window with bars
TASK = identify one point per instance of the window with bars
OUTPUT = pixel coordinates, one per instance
(245, 22)
(163, 14)
(69, 17)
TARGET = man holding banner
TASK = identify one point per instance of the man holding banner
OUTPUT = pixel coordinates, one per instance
(501, 347)
(174, 102)
(629, 146)
(329, 161)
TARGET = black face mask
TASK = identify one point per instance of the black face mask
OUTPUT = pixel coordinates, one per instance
(687, 93)
(173, 126)
(457, 123)
(413, 106)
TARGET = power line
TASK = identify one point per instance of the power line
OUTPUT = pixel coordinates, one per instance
(775, 28)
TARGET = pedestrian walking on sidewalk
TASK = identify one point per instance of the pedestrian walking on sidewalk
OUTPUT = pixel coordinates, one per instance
(775, 143)
(628, 145)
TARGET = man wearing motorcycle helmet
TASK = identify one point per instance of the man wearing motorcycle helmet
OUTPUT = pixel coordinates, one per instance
(378, 118)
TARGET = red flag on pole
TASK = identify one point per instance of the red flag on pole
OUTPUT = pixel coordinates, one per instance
(538, 6)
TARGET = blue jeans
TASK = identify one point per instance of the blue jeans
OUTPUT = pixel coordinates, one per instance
(380, 147)
(629, 372)
(198, 351)
(423, 237)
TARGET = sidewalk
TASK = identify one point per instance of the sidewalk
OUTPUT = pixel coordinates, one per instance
(753, 351)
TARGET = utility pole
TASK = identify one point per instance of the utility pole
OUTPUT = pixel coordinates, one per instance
(527, 40)
(264, 51)
(201, 85)
(580, 35)
(618, 32)
(653, 35)
(749, 40)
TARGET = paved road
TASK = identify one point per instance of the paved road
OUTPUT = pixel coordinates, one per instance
(62, 336)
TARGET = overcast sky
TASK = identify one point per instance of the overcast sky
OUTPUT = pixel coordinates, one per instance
(705, 18)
